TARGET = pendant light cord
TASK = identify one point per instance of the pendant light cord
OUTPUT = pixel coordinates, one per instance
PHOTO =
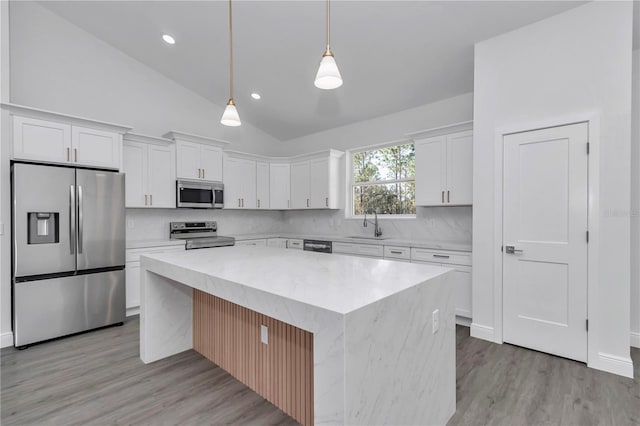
(328, 26)
(230, 53)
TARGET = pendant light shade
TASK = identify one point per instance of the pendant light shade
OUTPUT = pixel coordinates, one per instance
(328, 76)
(230, 116)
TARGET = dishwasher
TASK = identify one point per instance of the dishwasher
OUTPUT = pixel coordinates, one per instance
(317, 245)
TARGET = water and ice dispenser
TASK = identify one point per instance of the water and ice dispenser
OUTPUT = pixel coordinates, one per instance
(43, 228)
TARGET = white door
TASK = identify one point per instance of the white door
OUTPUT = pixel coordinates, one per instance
(135, 168)
(188, 160)
(41, 140)
(300, 185)
(545, 240)
(279, 186)
(248, 179)
(262, 185)
(319, 183)
(460, 168)
(430, 171)
(162, 178)
(92, 147)
(211, 163)
(232, 183)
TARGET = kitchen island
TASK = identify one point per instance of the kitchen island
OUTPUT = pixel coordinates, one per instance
(330, 339)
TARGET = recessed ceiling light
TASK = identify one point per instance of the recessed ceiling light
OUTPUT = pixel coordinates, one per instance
(168, 39)
(256, 96)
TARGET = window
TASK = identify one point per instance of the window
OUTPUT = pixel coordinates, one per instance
(383, 180)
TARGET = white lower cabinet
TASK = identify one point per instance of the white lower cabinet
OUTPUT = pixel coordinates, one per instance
(277, 242)
(293, 243)
(132, 273)
(460, 262)
(365, 250)
(262, 242)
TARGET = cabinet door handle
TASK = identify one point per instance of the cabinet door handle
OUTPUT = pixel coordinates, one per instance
(326, 202)
(442, 197)
(242, 202)
(68, 154)
(151, 199)
(258, 202)
(441, 256)
(199, 173)
(238, 202)
(307, 202)
(75, 154)
(395, 251)
(145, 199)
(448, 196)
(203, 171)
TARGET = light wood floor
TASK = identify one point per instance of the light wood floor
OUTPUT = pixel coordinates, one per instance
(97, 378)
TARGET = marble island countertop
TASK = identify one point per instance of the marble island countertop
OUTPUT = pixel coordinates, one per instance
(338, 284)
(136, 244)
(438, 245)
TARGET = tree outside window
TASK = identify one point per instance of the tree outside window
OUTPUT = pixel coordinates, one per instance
(384, 181)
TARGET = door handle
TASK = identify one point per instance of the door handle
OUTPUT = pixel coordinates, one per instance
(199, 174)
(326, 202)
(307, 202)
(242, 199)
(258, 203)
(511, 250)
(68, 154)
(203, 171)
(448, 196)
(145, 199)
(75, 155)
(442, 197)
(238, 202)
(443, 256)
(72, 218)
(151, 199)
(80, 219)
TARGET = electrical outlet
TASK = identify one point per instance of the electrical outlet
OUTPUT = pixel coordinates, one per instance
(131, 224)
(435, 325)
(264, 334)
(1, 228)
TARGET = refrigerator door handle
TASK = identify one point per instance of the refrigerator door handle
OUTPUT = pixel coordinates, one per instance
(72, 218)
(80, 220)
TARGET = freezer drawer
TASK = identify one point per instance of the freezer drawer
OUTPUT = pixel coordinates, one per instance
(46, 309)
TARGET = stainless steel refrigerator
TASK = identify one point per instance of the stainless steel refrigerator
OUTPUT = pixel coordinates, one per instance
(68, 251)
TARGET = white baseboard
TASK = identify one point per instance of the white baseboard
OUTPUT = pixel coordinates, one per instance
(464, 321)
(6, 339)
(622, 366)
(133, 311)
(635, 339)
(482, 332)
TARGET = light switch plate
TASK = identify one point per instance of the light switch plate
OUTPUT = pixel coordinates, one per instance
(131, 224)
(264, 334)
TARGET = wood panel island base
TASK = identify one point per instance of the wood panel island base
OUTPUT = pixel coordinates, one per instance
(350, 340)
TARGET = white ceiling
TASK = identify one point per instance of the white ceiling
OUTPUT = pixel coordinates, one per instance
(393, 55)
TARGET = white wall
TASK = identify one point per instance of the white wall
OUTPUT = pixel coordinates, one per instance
(572, 63)
(57, 66)
(60, 67)
(635, 202)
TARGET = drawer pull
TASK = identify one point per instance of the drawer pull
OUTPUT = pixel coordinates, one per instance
(441, 256)
(395, 251)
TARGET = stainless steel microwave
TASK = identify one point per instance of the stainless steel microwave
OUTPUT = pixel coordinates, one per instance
(199, 195)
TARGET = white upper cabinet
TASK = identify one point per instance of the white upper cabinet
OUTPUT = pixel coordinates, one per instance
(149, 165)
(444, 166)
(300, 185)
(92, 147)
(240, 183)
(197, 157)
(262, 185)
(55, 138)
(279, 186)
(321, 180)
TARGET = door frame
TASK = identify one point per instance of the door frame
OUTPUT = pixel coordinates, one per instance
(593, 217)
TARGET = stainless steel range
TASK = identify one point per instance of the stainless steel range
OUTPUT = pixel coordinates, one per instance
(199, 235)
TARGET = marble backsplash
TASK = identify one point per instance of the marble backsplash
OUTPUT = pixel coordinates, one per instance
(153, 224)
(450, 224)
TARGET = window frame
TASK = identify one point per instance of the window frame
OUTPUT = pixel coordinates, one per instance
(349, 182)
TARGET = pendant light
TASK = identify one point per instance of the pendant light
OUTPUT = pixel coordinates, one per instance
(328, 76)
(230, 116)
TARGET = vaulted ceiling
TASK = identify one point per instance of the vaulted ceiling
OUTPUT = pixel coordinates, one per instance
(393, 55)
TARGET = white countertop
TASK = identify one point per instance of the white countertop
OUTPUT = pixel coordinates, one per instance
(340, 284)
(135, 244)
(439, 245)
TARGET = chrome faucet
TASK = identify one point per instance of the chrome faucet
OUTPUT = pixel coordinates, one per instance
(377, 232)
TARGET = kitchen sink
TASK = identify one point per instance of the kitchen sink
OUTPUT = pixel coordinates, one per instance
(360, 237)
